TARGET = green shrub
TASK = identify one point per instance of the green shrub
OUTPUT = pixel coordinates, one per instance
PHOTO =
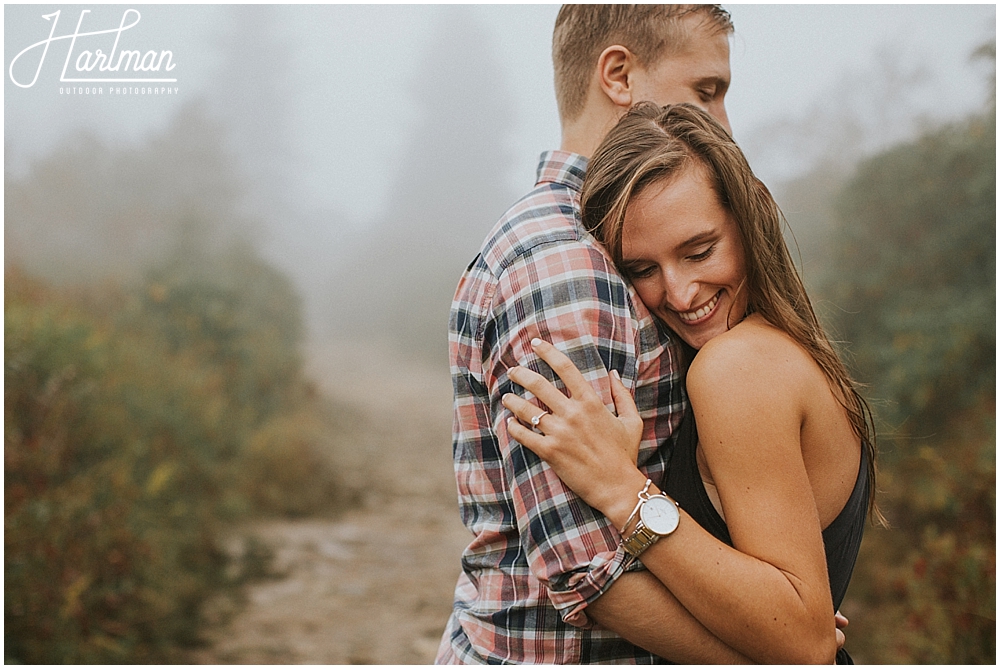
(105, 499)
(912, 267)
(139, 423)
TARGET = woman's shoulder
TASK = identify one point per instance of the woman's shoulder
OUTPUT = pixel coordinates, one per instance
(752, 354)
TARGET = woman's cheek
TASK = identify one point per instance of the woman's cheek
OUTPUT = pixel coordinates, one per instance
(648, 292)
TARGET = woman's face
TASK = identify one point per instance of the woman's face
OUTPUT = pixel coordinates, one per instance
(681, 250)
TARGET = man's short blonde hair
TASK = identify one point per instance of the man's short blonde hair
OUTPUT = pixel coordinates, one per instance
(650, 32)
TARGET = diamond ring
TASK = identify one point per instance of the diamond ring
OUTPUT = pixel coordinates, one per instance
(534, 421)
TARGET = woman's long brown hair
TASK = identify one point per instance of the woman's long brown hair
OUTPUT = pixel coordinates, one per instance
(653, 143)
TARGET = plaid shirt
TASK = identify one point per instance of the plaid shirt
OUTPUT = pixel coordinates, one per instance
(540, 554)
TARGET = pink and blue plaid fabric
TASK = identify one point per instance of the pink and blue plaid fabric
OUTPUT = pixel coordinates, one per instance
(539, 553)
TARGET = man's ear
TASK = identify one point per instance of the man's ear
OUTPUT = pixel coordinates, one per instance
(615, 68)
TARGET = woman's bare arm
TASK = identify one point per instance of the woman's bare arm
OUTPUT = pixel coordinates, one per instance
(639, 608)
(769, 597)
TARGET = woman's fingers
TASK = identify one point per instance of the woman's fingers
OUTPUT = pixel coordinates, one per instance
(527, 438)
(522, 409)
(563, 367)
(625, 407)
(539, 386)
(582, 394)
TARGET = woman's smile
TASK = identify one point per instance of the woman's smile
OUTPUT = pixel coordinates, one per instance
(702, 314)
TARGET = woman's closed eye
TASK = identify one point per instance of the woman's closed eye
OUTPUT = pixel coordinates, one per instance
(640, 272)
(698, 257)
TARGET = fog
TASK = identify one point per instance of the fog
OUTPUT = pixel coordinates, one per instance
(366, 150)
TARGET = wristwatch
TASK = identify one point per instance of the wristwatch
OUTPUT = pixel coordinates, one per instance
(658, 516)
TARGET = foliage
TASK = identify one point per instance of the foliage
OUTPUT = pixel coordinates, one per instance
(912, 270)
(139, 423)
(925, 589)
(917, 272)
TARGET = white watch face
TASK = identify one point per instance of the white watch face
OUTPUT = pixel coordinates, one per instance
(660, 515)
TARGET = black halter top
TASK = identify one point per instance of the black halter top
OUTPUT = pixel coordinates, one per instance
(841, 538)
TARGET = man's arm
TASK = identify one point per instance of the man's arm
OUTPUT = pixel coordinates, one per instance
(567, 292)
(639, 608)
(571, 294)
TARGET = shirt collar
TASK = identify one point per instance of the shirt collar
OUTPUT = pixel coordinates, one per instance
(562, 167)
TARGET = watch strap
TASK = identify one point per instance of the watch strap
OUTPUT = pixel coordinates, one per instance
(641, 538)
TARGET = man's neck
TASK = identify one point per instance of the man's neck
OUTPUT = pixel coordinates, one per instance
(574, 144)
(584, 135)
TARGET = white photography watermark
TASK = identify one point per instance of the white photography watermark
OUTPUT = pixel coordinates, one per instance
(94, 68)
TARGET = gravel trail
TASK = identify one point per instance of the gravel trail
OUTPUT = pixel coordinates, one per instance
(373, 585)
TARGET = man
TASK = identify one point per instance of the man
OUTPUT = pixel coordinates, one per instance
(544, 567)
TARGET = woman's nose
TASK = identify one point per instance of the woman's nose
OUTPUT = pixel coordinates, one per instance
(680, 292)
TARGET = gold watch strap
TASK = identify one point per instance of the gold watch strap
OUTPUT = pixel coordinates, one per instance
(641, 538)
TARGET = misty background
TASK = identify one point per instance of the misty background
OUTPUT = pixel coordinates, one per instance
(366, 150)
(227, 400)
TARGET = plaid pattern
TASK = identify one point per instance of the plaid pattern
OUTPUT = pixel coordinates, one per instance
(540, 554)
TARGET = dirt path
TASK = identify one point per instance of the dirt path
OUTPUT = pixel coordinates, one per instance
(375, 584)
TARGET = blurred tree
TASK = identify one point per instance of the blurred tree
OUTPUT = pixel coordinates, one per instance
(449, 187)
(865, 110)
(150, 400)
(807, 159)
(911, 267)
(110, 449)
(988, 52)
(88, 212)
(914, 268)
(237, 313)
(251, 90)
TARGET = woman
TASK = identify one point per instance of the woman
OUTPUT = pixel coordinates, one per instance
(773, 468)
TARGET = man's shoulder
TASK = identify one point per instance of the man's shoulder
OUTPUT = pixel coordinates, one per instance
(549, 214)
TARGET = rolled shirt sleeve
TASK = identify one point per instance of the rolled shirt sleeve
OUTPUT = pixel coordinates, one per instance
(568, 294)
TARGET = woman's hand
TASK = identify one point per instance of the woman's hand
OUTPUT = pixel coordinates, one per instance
(593, 451)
